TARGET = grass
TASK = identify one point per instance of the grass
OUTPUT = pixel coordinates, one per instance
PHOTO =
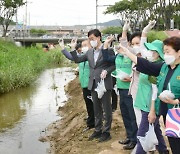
(20, 66)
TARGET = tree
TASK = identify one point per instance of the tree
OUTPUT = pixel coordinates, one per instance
(8, 9)
(112, 30)
(141, 11)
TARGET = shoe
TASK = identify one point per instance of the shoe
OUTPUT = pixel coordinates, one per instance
(87, 128)
(126, 141)
(163, 152)
(95, 135)
(85, 119)
(105, 137)
(113, 110)
(129, 146)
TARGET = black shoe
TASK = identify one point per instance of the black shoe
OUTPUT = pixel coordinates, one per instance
(113, 110)
(87, 128)
(126, 141)
(85, 119)
(95, 135)
(164, 152)
(129, 146)
(105, 137)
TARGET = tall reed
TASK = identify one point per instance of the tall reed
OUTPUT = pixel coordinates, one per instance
(20, 66)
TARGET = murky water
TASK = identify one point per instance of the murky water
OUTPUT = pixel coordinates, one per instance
(25, 113)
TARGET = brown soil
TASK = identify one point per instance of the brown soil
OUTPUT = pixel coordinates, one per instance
(67, 136)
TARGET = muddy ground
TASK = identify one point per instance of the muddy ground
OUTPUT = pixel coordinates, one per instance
(67, 136)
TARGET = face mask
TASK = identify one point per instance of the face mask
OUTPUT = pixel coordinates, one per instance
(136, 49)
(93, 43)
(169, 59)
(84, 49)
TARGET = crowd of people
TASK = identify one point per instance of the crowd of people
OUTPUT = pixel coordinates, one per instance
(134, 72)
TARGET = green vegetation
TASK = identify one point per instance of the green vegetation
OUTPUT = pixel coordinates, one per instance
(40, 32)
(20, 66)
(141, 11)
(156, 35)
(112, 30)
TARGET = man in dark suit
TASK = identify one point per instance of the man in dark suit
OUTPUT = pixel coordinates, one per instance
(99, 69)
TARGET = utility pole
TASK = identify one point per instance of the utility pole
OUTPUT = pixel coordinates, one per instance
(97, 11)
(26, 19)
(16, 25)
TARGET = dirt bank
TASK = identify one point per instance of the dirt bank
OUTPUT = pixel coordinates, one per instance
(67, 134)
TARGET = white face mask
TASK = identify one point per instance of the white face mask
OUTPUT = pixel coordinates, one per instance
(169, 59)
(93, 43)
(136, 49)
(84, 49)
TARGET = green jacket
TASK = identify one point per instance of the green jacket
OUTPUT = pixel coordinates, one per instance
(84, 74)
(144, 93)
(174, 84)
(124, 64)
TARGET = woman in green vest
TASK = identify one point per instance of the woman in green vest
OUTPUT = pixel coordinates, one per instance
(123, 66)
(144, 98)
(168, 73)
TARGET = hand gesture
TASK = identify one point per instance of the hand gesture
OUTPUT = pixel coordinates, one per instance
(103, 74)
(128, 79)
(73, 44)
(151, 117)
(169, 100)
(149, 26)
(123, 50)
(126, 26)
(61, 43)
(108, 40)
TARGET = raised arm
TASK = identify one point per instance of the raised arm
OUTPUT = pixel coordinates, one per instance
(78, 59)
(107, 56)
(143, 65)
(126, 27)
(145, 31)
(67, 54)
(64, 50)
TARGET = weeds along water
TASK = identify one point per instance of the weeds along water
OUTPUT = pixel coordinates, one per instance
(20, 66)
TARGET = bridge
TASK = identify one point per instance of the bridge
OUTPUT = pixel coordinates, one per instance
(28, 41)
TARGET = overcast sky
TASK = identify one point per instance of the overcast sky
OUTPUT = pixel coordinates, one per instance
(65, 12)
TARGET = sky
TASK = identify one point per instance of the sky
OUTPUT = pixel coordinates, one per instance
(64, 12)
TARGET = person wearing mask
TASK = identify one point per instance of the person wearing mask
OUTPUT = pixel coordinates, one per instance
(144, 98)
(114, 96)
(124, 64)
(82, 48)
(99, 70)
(168, 74)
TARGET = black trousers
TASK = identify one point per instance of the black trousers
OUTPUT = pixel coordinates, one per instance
(128, 115)
(114, 96)
(89, 107)
(173, 142)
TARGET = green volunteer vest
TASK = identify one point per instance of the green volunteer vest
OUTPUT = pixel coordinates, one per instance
(174, 84)
(84, 74)
(144, 93)
(124, 64)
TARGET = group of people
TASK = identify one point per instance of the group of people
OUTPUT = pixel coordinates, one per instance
(139, 72)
